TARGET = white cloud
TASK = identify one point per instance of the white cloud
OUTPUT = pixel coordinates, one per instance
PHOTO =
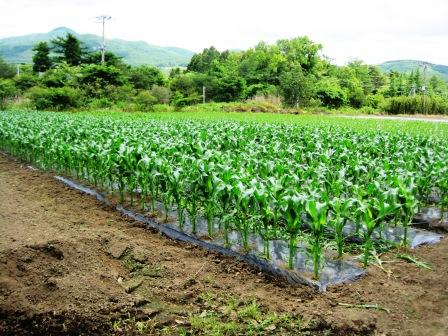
(374, 31)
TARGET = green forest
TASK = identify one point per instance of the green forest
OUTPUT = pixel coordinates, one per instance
(291, 75)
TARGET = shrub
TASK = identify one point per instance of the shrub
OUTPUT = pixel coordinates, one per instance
(161, 93)
(374, 101)
(60, 76)
(113, 93)
(416, 105)
(100, 103)
(179, 100)
(102, 75)
(162, 108)
(55, 98)
(25, 81)
(126, 106)
(145, 101)
(7, 91)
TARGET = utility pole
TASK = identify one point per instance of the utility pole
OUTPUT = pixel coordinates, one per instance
(424, 65)
(18, 70)
(413, 90)
(203, 95)
(102, 19)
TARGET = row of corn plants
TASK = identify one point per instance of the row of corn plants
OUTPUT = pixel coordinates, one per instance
(300, 184)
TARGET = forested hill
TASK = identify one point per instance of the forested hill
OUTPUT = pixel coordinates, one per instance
(19, 49)
(406, 66)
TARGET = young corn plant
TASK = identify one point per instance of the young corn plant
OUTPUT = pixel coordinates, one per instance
(318, 213)
(374, 212)
(263, 200)
(341, 209)
(211, 201)
(175, 183)
(292, 207)
(243, 199)
(409, 203)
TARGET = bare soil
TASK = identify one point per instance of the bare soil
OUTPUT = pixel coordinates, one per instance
(70, 265)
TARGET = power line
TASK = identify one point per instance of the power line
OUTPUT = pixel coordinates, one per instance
(102, 19)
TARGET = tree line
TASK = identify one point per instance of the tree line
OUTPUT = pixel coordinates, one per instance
(65, 75)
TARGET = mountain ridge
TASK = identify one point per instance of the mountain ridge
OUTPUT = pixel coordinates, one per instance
(406, 66)
(18, 49)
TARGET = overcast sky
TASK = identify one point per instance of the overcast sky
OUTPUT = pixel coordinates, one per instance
(372, 30)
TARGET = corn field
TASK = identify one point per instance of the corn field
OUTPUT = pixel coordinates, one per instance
(303, 184)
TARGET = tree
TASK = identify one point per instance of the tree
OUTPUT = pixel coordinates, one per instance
(69, 49)
(225, 83)
(145, 76)
(6, 70)
(201, 62)
(330, 92)
(295, 86)
(397, 85)
(377, 77)
(361, 72)
(109, 59)
(101, 75)
(261, 66)
(437, 86)
(187, 88)
(174, 72)
(301, 51)
(41, 59)
(415, 81)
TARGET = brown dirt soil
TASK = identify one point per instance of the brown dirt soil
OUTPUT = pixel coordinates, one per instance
(70, 265)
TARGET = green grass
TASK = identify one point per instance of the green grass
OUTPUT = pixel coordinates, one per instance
(219, 316)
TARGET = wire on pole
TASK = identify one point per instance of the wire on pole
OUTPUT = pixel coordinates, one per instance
(102, 19)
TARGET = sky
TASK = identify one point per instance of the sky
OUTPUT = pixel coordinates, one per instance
(371, 30)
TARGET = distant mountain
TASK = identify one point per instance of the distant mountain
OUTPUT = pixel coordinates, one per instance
(409, 65)
(19, 49)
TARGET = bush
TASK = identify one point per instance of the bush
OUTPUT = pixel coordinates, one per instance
(7, 91)
(145, 101)
(253, 106)
(102, 75)
(161, 93)
(416, 105)
(126, 106)
(162, 108)
(55, 98)
(179, 100)
(60, 76)
(25, 81)
(100, 103)
(112, 93)
(6, 70)
(374, 101)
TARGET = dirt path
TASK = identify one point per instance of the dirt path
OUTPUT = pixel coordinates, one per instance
(69, 265)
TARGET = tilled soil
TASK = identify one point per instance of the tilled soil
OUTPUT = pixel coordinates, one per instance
(70, 265)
